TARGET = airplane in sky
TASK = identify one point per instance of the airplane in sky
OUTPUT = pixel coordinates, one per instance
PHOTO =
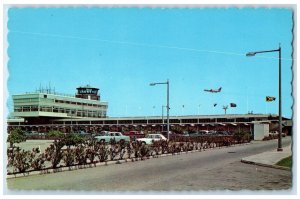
(213, 90)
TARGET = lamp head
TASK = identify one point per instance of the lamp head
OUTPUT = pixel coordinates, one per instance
(152, 84)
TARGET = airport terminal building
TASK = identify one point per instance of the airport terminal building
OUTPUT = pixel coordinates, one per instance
(45, 105)
(44, 111)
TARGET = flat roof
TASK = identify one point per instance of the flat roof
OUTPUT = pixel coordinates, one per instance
(62, 96)
(227, 116)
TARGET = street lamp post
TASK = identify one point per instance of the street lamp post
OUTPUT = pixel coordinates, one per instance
(162, 117)
(279, 90)
(168, 107)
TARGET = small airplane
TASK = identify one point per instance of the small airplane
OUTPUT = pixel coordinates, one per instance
(213, 91)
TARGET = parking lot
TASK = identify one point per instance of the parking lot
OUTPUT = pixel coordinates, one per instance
(30, 144)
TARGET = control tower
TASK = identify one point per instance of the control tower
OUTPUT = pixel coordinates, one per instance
(88, 92)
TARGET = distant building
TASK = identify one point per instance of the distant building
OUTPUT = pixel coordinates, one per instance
(44, 105)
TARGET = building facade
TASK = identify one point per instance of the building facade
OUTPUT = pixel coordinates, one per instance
(43, 106)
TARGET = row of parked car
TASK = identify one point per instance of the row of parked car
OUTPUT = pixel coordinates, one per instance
(118, 136)
(212, 132)
(275, 133)
(106, 136)
(149, 138)
(197, 133)
(34, 134)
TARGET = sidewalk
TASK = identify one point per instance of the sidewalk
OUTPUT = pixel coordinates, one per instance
(269, 158)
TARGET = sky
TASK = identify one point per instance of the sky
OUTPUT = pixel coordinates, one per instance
(122, 50)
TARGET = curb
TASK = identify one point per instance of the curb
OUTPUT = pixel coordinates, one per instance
(266, 165)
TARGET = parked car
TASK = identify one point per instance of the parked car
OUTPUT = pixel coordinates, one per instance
(198, 133)
(134, 134)
(212, 132)
(32, 133)
(223, 133)
(42, 134)
(99, 133)
(274, 132)
(83, 133)
(203, 132)
(165, 133)
(185, 133)
(117, 136)
(172, 135)
(150, 138)
(194, 134)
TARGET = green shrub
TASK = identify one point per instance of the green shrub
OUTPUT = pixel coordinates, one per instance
(55, 134)
(73, 139)
(16, 136)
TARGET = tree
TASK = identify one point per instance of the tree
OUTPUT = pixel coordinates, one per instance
(72, 139)
(55, 134)
(16, 136)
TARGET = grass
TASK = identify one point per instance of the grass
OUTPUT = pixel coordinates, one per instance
(286, 162)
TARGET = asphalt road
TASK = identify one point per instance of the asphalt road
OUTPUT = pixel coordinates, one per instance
(210, 170)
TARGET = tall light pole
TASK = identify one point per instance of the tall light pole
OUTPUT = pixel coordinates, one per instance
(168, 107)
(279, 89)
(162, 117)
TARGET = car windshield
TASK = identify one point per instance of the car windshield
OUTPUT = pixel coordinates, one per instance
(102, 134)
(150, 136)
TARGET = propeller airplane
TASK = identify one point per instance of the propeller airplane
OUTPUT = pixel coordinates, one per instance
(213, 90)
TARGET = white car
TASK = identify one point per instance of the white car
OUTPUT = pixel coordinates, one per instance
(117, 136)
(150, 138)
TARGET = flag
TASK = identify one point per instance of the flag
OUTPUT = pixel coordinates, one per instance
(270, 99)
(215, 105)
(232, 105)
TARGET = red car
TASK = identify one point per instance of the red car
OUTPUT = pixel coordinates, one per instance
(134, 134)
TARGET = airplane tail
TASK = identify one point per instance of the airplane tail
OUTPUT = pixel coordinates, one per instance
(220, 89)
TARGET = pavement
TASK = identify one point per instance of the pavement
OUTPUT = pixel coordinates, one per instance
(269, 158)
